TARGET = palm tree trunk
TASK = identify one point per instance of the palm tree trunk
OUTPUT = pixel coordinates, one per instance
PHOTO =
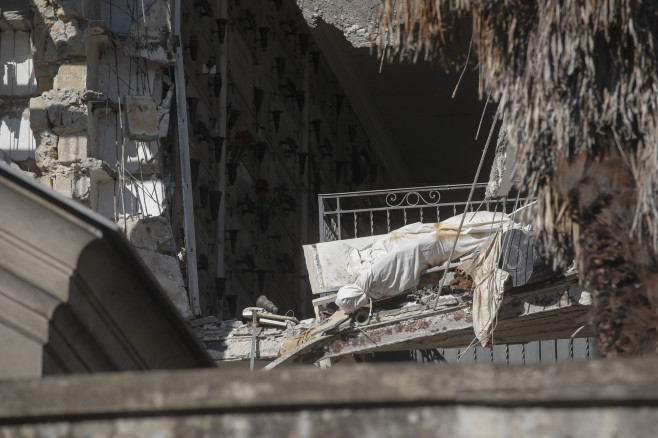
(620, 271)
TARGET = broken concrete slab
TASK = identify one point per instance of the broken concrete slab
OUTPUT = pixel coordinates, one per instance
(354, 19)
(142, 115)
(166, 270)
(150, 233)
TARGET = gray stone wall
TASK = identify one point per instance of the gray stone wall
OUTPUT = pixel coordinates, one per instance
(592, 399)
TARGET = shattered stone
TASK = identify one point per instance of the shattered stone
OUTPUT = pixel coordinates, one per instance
(66, 111)
(68, 39)
(46, 150)
(167, 271)
(98, 171)
(152, 233)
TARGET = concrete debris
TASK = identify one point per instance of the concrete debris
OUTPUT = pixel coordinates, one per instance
(67, 112)
(203, 321)
(352, 18)
(167, 271)
(60, 139)
(231, 340)
(68, 39)
(151, 233)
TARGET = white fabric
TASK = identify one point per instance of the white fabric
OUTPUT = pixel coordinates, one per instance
(489, 286)
(394, 263)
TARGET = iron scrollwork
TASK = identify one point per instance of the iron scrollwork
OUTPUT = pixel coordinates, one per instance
(413, 199)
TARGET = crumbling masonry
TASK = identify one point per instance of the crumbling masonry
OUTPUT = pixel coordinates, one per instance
(204, 129)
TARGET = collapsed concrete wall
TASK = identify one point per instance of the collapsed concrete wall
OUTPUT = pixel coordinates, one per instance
(354, 19)
(85, 105)
(91, 108)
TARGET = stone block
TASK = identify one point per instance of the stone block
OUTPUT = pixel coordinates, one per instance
(38, 114)
(72, 148)
(63, 184)
(142, 115)
(71, 76)
(167, 271)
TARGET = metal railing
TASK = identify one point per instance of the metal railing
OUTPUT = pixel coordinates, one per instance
(359, 214)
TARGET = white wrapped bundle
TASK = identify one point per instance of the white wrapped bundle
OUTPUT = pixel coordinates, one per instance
(394, 263)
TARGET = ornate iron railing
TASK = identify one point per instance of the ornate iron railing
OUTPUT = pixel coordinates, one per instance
(358, 214)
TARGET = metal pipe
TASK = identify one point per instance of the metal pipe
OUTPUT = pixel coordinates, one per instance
(184, 157)
(254, 320)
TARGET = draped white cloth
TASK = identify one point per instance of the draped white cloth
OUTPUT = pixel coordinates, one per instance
(393, 263)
